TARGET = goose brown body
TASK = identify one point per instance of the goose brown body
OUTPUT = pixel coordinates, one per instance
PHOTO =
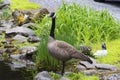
(61, 50)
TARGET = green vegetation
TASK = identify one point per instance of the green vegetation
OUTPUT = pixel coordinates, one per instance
(23, 5)
(74, 76)
(1, 0)
(5, 15)
(113, 56)
(81, 76)
(78, 25)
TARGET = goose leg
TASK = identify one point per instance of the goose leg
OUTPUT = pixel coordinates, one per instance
(63, 66)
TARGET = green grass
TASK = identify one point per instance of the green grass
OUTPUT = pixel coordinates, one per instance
(113, 56)
(81, 76)
(1, 0)
(23, 4)
(74, 76)
(77, 25)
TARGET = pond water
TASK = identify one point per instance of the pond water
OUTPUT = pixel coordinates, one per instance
(7, 74)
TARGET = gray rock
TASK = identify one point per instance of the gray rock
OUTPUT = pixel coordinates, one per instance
(64, 78)
(29, 25)
(80, 67)
(17, 56)
(6, 24)
(87, 65)
(19, 30)
(33, 39)
(106, 67)
(16, 65)
(90, 72)
(44, 75)
(115, 76)
(4, 4)
(28, 50)
(20, 38)
(3, 29)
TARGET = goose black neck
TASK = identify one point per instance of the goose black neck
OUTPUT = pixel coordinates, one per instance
(52, 28)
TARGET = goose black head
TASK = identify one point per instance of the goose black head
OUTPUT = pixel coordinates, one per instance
(103, 46)
(52, 15)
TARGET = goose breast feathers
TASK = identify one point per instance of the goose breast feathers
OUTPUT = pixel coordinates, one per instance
(60, 50)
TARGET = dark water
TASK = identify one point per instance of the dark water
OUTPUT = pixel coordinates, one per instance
(7, 74)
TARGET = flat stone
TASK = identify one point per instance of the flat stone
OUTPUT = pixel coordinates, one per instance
(90, 72)
(28, 49)
(80, 67)
(20, 38)
(106, 67)
(29, 25)
(44, 75)
(87, 64)
(19, 30)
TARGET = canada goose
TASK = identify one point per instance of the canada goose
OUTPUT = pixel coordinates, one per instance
(61, 50)
(102, 52)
